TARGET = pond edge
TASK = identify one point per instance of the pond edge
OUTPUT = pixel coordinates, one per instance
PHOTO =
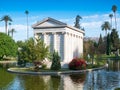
(11, 70)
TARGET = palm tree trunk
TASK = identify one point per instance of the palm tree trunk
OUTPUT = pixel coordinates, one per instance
(111, 23)
(27, 28)
(115, 21)
(106, 32)
(6, 27)
(12, 34)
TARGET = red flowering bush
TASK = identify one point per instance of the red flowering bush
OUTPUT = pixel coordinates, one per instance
(77, 64)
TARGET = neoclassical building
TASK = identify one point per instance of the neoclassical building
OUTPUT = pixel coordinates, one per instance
(65, 39)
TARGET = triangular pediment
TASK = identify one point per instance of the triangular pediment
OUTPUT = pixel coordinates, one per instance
(48, 22)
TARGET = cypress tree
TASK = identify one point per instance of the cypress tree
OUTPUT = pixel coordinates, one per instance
(55, 61)
(108, 46)
(114, 39)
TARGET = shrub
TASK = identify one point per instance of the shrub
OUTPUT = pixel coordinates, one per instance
(77, 64)
(38, 65)
(44, 66)
(56, 65)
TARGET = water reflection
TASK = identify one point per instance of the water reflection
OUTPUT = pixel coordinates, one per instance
(95, 80)
(78, 78)
(113, 65)
(5, 78)
(55, 82)
(102, 80)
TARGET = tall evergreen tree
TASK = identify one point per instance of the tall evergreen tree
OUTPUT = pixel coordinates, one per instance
(114, 39)
(55, 61)
(100, 41)
(108, 46)
(77, 21)
(101, 45)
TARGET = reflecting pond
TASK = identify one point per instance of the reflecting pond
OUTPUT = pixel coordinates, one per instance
(95, 80)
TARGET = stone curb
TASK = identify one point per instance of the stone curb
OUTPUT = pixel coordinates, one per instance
(54, 73)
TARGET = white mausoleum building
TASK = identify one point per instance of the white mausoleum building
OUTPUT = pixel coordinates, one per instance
(65, 39)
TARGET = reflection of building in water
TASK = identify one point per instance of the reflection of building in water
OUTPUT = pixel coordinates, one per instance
(69, 84)
(67, 40)
(63, 82)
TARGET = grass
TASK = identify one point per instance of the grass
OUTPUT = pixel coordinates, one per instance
(31, 69)
(40, 70)
(117, 89)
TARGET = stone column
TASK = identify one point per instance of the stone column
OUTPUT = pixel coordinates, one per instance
(65, 46)
(36, 36)
(62, 45)
(72, 47)
(44, 37)
(55, 44)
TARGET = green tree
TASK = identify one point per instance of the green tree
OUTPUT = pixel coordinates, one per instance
(77, 21)
(106, 26)
(8, 47)
(108, 46)
(6, 18)
(55, 61)
(27, 12)
(101, 45)
(32, 51)
(20, 43)
(100, 40)
(114, 40)
(114, 9)
(92, 51)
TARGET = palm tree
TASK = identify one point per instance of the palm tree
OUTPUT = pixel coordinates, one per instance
(9, 27)
(12, 31)
(111, 16)
(77, 24)
(114, 9)
(26, 12)
(6, 18)
(106, 26)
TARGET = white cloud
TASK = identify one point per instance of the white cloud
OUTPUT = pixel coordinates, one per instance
(19, 27)
(91, 23)
(2, 29)
(91, 17)
(21, 32)
(68, 21)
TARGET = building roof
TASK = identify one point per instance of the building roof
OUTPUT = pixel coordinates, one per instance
(53, 23)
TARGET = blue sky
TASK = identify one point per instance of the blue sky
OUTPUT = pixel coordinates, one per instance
(93, 12)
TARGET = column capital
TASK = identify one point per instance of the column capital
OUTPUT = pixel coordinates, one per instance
(63, 32)
(44, 33)
(53, 32)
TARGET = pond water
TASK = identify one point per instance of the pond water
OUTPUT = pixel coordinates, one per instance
(104, 79)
